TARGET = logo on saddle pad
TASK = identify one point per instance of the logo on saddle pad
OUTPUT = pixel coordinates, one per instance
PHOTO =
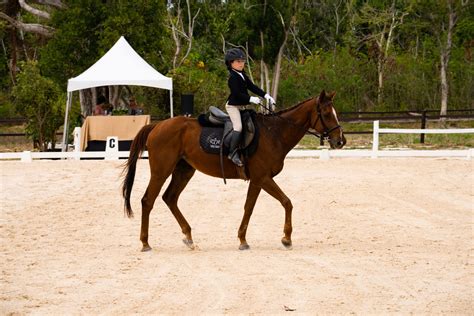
(211, 138)
(213, 141)
(215, 129)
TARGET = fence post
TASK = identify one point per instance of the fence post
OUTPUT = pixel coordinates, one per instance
(423, 126)
(26, 156)
(324, 154)
(77, 142)
(375, 140)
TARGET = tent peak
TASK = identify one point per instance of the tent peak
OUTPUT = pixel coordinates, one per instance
(120, 65)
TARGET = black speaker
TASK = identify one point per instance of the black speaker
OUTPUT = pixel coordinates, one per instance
(187, 104)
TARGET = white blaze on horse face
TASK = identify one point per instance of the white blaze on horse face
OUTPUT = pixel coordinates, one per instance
(335, 115)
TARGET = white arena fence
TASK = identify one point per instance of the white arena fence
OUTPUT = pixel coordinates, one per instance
(375, 152)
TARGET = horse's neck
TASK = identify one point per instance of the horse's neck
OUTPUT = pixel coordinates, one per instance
(293, 124)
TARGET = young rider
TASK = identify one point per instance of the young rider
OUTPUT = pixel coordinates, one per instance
(239, 97)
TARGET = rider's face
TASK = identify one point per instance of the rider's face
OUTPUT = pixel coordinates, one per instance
(238, 64)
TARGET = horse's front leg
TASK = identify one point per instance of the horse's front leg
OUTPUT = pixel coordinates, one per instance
(274, 190)
(252, 195)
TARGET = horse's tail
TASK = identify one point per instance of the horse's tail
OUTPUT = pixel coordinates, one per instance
(136, 149)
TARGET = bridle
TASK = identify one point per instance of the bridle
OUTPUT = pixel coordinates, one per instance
(326, 130)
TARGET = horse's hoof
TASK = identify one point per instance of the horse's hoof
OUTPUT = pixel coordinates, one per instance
(189, 243)
(146, 248)
(244, 247)
(287, 243)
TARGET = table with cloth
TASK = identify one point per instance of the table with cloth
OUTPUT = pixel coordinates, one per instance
(125, 127)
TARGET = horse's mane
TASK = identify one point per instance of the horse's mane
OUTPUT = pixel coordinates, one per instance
(284, 110)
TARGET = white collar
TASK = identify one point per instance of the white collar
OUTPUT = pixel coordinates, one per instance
(239, 73)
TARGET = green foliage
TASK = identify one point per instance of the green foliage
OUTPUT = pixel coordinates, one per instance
(88, 28)
(208, 88)
(141, 22)
(7, 108)
(327, 48)
(75, 117)
(343, 75)
(39, 100)
(75, 45)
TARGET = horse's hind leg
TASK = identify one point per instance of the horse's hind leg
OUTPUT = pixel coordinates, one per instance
(151, 193)
(181, 176)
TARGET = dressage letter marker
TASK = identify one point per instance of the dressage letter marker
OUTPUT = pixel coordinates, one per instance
(111, 147)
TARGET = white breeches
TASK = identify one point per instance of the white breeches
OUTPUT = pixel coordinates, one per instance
(234, 114)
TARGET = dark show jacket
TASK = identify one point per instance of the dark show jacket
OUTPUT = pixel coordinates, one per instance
(238, 89)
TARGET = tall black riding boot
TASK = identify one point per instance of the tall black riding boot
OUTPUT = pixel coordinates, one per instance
(234, 150)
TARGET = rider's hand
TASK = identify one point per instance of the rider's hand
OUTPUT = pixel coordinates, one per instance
(255, 100)
(269, 99)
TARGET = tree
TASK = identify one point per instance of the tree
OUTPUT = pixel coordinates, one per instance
(88, 28)
(378, 27)
(438, 21)
(14, 14)
(444, 21)
(176, 22)
(13, 8)
(39, 100)
(263, 29)
(445, 54)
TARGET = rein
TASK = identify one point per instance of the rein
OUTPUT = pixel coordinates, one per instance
(323, 136)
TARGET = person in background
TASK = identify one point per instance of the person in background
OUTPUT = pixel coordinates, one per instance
(133, 107)
(99, 107)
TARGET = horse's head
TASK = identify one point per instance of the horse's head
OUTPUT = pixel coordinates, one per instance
(325, 121)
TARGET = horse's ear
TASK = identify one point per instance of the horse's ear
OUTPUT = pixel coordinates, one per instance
(332, 95)
(322, 95)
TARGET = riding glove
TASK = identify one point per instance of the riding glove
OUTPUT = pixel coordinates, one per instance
(255, 100)
(269, 99)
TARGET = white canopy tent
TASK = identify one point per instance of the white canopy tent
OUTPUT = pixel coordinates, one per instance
(121, 65)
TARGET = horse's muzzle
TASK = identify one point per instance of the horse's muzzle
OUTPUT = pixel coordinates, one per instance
(337, 143)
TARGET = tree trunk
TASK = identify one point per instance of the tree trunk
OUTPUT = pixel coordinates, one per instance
(444, 86)
(114, 95)
(13, 55)
(176, 39)
(94, 95)
(177, 31)
(12, 9)
(380, 69)
(444, 59)
(276, 72)
(262, 63)
(87, 104)
(7, 61)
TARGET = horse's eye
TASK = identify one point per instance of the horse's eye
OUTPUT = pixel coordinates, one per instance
(327, 115)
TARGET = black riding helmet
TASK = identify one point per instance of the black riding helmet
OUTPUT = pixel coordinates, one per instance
(233, 54)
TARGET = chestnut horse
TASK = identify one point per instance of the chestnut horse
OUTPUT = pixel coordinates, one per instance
(173, 149)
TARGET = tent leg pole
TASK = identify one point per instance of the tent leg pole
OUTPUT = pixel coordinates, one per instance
(171, 103)
(66, 121)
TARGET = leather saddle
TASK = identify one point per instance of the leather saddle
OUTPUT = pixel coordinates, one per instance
(217, 127)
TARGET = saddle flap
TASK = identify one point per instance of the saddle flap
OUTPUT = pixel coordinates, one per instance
(211, 136)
